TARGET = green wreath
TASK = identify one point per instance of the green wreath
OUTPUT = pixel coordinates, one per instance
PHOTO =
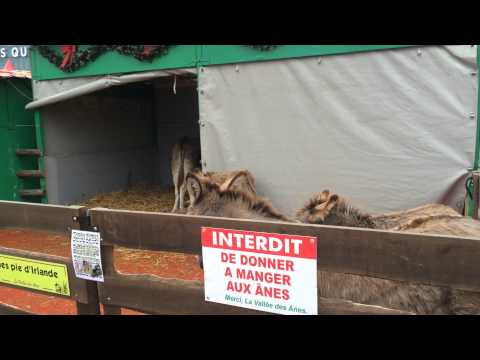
(83, 57)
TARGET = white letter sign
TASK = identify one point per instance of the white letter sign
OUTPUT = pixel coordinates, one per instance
(267, 272)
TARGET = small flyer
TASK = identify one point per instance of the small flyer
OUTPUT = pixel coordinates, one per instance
(86, 255)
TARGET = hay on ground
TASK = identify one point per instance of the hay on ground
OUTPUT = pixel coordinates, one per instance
(136, 198)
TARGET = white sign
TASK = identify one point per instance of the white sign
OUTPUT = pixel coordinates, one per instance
(13, 52)
(86, 256)
(268, 272)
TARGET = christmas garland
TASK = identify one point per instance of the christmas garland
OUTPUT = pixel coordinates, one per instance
(73, 59)
(80, 58)
(262, 47)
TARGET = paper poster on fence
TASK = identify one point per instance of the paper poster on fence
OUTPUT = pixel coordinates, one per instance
(86, 255)
(267, 272)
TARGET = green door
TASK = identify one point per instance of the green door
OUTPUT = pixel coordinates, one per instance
(16, 131)
(7, 174)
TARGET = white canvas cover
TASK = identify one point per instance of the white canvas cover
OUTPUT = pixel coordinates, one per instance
(55, 91)
(389, 129)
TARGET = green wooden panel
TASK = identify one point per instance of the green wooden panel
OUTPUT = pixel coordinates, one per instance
(225, 54)
(7, 174)
(17, 130)
(181, 56)
(8, 179)
(4, 119)
(19, 94)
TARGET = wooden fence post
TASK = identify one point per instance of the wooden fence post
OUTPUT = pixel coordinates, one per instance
(476, 193)
(109, 270)
(92, 307)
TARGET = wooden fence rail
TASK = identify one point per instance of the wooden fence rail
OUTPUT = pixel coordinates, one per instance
(417, 258)
(12, 310)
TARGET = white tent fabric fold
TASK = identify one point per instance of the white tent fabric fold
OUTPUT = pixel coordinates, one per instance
(54, 91)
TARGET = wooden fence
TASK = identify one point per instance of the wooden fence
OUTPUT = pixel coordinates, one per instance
(51, 220)
(416, 258)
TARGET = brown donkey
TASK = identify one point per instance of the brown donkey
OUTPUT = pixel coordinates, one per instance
(209, 199)
(185, 158)
(331, 209)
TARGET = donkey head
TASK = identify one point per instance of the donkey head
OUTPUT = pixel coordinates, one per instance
(330, 209)
(211, 199)
(318, 208)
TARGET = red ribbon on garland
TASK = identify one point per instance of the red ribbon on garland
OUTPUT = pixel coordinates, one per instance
(147, 49)
(68, 54)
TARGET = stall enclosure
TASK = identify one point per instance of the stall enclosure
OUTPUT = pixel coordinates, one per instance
(390, 130)
(111, 139)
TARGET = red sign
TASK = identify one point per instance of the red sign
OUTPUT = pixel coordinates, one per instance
(263, 243)
(262, 271)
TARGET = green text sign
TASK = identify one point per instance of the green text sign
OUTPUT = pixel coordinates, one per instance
(34, 274)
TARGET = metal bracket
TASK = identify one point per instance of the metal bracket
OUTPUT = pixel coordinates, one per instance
(86, 222)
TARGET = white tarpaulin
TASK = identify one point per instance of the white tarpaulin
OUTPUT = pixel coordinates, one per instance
(55, 91)
(388, 129)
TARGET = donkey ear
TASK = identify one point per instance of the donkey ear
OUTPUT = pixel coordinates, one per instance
(323, 210)
(241, 177)
(194, 187)
(332, 201)
(323, 196)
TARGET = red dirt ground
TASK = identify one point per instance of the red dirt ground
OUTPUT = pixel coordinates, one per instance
(162, 264)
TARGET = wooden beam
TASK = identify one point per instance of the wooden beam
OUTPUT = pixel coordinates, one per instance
(417, 258)
(32, 192)
(156, 295)
(30, 173)
(6, 309)
(39, 216)
(28, 152)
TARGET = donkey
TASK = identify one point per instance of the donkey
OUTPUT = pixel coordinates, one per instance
(185, 158)
(209, 199)
(331, 209)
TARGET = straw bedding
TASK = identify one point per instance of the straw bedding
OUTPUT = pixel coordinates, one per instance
(136, 198)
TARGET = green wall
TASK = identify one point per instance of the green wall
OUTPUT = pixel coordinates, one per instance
(16, 131)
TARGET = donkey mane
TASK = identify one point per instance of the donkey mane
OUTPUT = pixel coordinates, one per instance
(345, 208)
(257, 204)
